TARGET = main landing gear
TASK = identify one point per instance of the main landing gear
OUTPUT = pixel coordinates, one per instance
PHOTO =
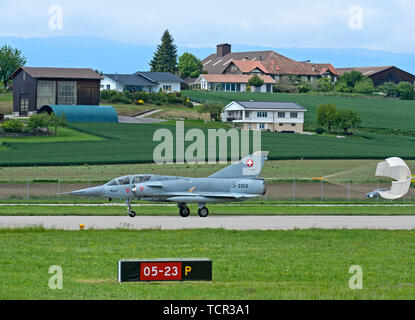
(185, 211)
(130, 212)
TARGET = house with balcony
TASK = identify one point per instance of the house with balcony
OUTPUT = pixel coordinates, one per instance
(271, 116)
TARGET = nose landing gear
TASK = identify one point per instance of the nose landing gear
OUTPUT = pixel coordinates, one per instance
(130, 212)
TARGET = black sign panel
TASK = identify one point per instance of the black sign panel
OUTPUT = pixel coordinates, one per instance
(165, 270)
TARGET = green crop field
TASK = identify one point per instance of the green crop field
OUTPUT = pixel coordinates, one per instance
(132, 143)
(376, 112)
(298, 264)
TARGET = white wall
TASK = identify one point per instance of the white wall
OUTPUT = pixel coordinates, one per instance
(113, 84)
(175, 86)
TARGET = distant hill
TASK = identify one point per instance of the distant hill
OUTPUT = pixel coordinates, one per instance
(113, 56)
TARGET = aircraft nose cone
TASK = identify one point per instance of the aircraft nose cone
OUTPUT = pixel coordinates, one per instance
(89, 192)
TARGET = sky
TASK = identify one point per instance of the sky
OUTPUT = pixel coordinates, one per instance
(387, 25)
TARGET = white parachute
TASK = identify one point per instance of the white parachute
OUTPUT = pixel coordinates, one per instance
(398, 170)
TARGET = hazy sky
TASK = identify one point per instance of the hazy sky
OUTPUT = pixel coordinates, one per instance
(371, 24)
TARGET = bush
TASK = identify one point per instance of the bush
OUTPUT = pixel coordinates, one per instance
(38, 121)
(389, 88)
(341, 86)
(13, 125)
(304, 87)
(324, 84)
(189, 104)
(364, 86)
(320, 130)
(406, 90)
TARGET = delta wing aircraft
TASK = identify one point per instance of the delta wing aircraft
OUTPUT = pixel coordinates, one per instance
(237, 182)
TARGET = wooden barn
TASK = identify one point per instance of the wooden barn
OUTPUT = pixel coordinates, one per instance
(36, 87)
(380, 75)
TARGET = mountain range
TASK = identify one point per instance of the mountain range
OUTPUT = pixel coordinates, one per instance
(110, 56)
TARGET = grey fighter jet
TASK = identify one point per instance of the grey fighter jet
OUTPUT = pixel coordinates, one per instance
(237, 182)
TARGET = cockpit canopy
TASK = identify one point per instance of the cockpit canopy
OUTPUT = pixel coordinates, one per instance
(129, 180)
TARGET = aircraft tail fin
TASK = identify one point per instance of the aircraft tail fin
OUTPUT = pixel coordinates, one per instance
(248, 167)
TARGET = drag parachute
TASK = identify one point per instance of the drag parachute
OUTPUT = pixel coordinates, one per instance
(398, 170)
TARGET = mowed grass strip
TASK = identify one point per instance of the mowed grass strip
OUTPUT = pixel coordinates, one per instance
(250, 209)
(298, 264)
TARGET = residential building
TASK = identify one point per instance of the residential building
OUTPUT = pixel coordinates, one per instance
(36, 87)
(231, 83)
(142, 81)
(271, 116)
(380, 75)
(271, 63)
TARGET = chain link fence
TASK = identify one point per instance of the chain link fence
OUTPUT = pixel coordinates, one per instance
(276, 191)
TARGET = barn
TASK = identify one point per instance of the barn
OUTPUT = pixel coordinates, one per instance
(35, 87)
(380, 75)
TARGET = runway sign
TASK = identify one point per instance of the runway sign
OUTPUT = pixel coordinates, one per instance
(165, 270)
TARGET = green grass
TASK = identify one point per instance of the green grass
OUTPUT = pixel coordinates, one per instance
(299, 264)
(245, 209)
(6, 103)
(132, 143)
(376, 112)
(64, 134)
(274, 170)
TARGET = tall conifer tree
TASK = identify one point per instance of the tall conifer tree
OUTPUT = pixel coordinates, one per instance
(165, 57)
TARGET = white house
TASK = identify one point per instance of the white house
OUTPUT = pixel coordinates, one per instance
(231, 82)
(272, 116)
(142, 81)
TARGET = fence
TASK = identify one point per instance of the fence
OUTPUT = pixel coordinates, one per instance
(284, 191)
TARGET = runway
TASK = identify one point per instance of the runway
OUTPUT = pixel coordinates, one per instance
(214, 222)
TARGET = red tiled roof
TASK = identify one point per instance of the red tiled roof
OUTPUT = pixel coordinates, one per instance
(234, 78)
(247, 66)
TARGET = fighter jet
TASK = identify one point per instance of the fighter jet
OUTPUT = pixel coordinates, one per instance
(237, 182)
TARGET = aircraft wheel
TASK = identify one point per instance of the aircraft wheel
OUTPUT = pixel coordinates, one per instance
(203, 212)
(132, 214)
(184, 211)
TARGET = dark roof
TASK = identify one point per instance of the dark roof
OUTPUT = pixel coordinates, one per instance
(131, 79)
(270, 105)
(59, 73)
(370, 71)
(161, 76)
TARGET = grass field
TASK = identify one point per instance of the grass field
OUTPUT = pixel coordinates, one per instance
(299, 264)
(245, 209)
(274, 170)
(6, 103)
(376, 112)
(132, 143)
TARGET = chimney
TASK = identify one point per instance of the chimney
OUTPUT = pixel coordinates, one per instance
(223, 49)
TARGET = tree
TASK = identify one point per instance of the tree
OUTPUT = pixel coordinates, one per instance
(10, 60)
(351, 78)
(347, 119)
(165, 57)
(341, 86)
(56, 121)
(324, 84)
(214, 109)
(189, 66)
(255, 81)
(389, 88)
(406, 90)
(365, 85)
(326, 115)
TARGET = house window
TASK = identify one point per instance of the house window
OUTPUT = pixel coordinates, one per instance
(67, 92)
(166, 88)
(292, 124)
(108, 87)
(46, 93)
(281, 124)
(246, 114)
(233, 87)
(238, 87)
(24, 104)
(261, 126)
(281, 114)
(294, 115)
(262, 114)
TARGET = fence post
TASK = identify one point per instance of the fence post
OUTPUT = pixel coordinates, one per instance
(59, 188)
(321, 190)
(294, 190)
(348, 190)
(377, 187)
(27, 189)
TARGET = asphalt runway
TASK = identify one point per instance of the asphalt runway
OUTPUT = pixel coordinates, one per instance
(226, 222)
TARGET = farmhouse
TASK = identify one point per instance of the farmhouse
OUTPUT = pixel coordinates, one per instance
(380, 75)
(36, 87)
(272, 116)
(142, 81)
(269, 63)
(231, 83)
